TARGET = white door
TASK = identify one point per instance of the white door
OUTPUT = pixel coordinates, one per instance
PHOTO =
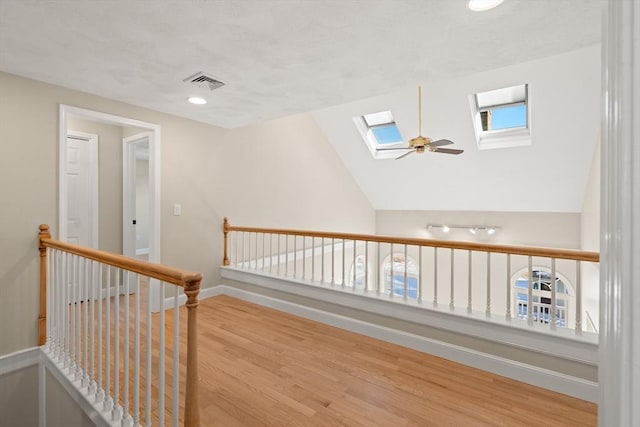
(81, 179)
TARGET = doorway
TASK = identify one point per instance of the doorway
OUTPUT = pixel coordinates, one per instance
(108, 196)
(135, 192)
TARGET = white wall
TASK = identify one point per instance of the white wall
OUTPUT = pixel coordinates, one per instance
(276, 173)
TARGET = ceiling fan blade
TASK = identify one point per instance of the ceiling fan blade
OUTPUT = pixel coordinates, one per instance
(448, 151)
(440, 142)
(392, 149)
(405, 154)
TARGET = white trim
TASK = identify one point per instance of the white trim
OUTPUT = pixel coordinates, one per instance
(75, 391)
(142, 251)
(517, 333)
(18, 360)
(128, 196)
(619, 370)
(561, 383)
(42, 395)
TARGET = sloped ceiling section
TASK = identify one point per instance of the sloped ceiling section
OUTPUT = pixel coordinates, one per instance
(548, 176)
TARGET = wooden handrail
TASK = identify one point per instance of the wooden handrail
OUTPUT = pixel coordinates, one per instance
(571, 254)
(188, 280)
(155, 271)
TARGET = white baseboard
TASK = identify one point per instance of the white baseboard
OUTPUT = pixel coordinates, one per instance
(182, 298)
(561, 383)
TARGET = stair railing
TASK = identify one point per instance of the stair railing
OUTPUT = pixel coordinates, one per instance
(96, 325)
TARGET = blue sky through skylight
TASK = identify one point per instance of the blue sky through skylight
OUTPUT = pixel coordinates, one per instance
(509, 117)
(387, 134)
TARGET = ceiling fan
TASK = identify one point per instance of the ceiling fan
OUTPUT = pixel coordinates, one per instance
(420, 143)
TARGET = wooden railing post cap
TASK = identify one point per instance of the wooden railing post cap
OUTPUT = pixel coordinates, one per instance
(44, 228)
(226, 225)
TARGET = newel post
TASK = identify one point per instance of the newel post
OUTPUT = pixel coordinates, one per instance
(191, 403)
(225, 228)
(42, 316)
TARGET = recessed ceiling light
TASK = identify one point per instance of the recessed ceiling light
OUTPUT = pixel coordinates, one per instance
(197, 100)
(483, 5)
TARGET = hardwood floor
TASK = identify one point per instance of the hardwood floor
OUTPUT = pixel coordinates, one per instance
(262, 367)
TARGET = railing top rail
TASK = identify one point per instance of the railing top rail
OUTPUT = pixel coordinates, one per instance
(166, 274)
(571, 254)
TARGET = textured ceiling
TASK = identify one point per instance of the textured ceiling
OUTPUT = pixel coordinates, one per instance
(278, 57)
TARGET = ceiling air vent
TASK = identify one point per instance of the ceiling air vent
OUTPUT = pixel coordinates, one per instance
(204, 81)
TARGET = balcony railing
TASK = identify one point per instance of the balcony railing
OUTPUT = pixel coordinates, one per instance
(539, 285)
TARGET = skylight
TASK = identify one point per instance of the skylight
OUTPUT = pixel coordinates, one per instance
(501, 117)
(380, 132)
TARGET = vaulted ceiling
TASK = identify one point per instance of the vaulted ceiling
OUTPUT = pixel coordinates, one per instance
(340, 59)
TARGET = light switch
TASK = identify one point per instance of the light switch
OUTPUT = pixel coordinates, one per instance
(177, 209)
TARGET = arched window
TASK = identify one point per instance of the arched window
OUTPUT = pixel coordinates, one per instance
(360, 268)
(542, 306)
(399, 266)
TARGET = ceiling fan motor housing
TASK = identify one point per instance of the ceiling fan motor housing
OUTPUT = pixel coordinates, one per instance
(419, 142)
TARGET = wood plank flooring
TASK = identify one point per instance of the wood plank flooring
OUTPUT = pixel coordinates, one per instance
(262, 367)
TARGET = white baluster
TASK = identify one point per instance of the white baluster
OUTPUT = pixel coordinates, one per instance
(286, 255)
(391, 285)
(161, 358)
(354, 266)
(470, 284)
(108, 403)
(136, 353)
(333, 281)
(86, 323)
(366, 265)
(148, 373)
(530, 293)
(343, 265)
(100, 392)
(176, 357)
(508, 311)
(488, 309)
(451, 294)
(117, 413)
(295, 255)
(406, 285)
(435, 276)
(578, 299)
(554, 285)
(378, 269)
(419, 286)
(126, 354)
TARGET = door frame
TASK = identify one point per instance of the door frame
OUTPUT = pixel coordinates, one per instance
(65, 111)
(128, 190)
(94, 171)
